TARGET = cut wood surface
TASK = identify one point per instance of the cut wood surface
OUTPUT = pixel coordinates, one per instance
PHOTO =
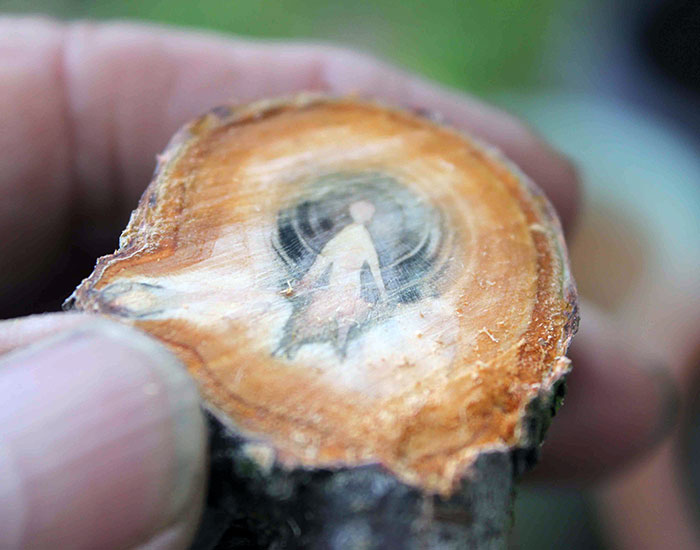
(355, 289)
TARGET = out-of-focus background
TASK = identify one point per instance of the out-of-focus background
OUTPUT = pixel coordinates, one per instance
(616, 85)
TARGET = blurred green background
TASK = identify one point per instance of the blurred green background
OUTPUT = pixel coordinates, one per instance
(575, 70)
(479, 45)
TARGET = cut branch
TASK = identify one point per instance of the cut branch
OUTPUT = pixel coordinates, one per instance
(376, 309)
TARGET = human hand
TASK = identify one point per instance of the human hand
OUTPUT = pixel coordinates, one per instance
(102, 439)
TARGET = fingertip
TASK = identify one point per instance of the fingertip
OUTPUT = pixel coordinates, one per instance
(619, 405)
(23, 331)
(103, 433)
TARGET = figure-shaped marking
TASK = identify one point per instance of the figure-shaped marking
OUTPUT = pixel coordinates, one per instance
(354, 247)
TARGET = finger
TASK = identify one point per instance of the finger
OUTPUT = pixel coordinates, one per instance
(102, 443)
(35, 172)
(87, 107)
(155, 79)
(619, 403)
(21, 332)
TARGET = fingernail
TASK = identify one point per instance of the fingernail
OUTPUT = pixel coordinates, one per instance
(102, 441)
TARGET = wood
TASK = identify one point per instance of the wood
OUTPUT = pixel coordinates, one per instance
(376, 309)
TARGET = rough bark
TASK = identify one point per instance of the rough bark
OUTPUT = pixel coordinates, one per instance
(256, 506)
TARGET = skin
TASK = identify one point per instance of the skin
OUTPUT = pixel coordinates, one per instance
(85, 108)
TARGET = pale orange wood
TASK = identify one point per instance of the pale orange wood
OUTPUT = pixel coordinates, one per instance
(349, 284)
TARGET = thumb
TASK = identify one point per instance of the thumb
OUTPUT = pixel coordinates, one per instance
(102, 441)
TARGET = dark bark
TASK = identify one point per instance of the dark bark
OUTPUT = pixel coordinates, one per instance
(254, 507)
